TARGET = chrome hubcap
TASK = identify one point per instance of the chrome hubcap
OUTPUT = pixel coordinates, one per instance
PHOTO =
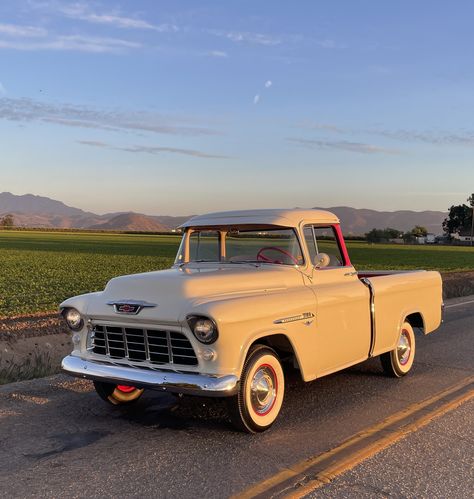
(403, 348)
(263, 390)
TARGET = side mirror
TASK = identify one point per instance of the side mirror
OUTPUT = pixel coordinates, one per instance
(321, 260)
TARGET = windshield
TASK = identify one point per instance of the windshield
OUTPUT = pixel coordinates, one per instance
(237, 245)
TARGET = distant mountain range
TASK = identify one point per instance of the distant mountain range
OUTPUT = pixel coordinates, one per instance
(132, 221)
(360, 221)
(38, 211)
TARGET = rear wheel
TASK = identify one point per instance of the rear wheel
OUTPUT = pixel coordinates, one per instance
(117, 394)
(262, 388)
(399, 361)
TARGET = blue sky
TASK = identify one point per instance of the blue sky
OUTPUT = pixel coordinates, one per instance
(184, 107)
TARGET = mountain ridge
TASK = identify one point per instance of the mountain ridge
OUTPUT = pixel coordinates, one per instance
(362, 220)
(30, 210)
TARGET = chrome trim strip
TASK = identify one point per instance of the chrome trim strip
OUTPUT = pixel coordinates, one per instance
(373, 331)
(125, 343)
(106, 341)
(300, 317)
(192, 384)
(147, 346)
(170, 347)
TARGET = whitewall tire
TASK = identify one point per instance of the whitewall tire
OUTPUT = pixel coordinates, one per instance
(399, 361)
(261, 391)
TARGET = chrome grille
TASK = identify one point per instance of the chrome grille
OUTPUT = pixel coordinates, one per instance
(151, 345)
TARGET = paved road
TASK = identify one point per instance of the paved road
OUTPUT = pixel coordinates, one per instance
(436, 461)
(58, 439)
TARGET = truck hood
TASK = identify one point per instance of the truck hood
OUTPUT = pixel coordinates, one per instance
(176, 292)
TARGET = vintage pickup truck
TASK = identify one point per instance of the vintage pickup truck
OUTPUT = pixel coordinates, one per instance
(250, 293)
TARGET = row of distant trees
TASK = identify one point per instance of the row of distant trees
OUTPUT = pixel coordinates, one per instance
(388, 234)
(460, 220)
(7, 221)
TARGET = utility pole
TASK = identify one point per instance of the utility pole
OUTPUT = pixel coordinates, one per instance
(471, 202)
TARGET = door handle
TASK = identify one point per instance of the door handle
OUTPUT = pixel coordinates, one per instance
(347, 274)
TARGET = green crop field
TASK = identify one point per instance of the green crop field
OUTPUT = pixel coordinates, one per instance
(40, 269)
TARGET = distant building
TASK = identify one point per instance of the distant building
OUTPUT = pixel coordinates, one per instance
(461, 237)
(430, 238)
(442, 239)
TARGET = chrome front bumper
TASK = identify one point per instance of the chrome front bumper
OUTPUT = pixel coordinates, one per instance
(192, 384)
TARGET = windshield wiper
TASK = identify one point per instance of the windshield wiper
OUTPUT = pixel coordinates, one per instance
(252, 262)
(256, 263)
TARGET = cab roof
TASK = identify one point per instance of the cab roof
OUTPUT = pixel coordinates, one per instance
(279, 217)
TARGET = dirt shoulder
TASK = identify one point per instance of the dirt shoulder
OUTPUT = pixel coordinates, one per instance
(30, 326)
(32, 346)
(456, 284)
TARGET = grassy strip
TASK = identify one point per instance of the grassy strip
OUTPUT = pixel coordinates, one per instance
(39, 365)
(41, 269)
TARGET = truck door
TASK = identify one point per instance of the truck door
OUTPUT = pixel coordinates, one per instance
(342, 323)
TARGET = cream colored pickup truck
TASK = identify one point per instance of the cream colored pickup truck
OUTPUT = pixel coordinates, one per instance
(250, 293)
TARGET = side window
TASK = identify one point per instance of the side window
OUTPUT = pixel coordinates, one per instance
(310, 242)
(204, 246)
(326, 242)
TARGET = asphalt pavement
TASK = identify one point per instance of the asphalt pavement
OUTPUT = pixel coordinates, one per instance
(435, 461)
(57, 438)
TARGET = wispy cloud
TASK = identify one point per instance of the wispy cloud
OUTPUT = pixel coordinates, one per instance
(16, 30)
(75, 43)
(218, 53)
(153, 149)
(3, 90)
(82, 11)
(313, 125)
(94, 143)
(256, 99)
(428, 137)
(29, 110)
(328, 43)
(434, 137)
(271, 40)
(246, 37)
(342, 145)
(268, 83)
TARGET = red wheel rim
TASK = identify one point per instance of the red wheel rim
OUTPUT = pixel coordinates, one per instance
(125, 388)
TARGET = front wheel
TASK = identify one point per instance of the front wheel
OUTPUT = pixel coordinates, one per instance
(262, 387)
(399, 361)
(117, 394)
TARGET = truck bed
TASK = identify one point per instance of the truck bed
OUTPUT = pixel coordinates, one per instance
(398, 294)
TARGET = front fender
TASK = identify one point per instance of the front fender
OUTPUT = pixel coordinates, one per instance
(266, 335)
(244, 320)
(79, 302)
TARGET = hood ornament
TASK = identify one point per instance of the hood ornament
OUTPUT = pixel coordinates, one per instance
(130, 307)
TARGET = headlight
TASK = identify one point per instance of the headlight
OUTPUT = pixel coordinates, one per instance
(203, 328)
(73, 319)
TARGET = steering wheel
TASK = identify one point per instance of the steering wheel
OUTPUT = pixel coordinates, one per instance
(262, 258)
